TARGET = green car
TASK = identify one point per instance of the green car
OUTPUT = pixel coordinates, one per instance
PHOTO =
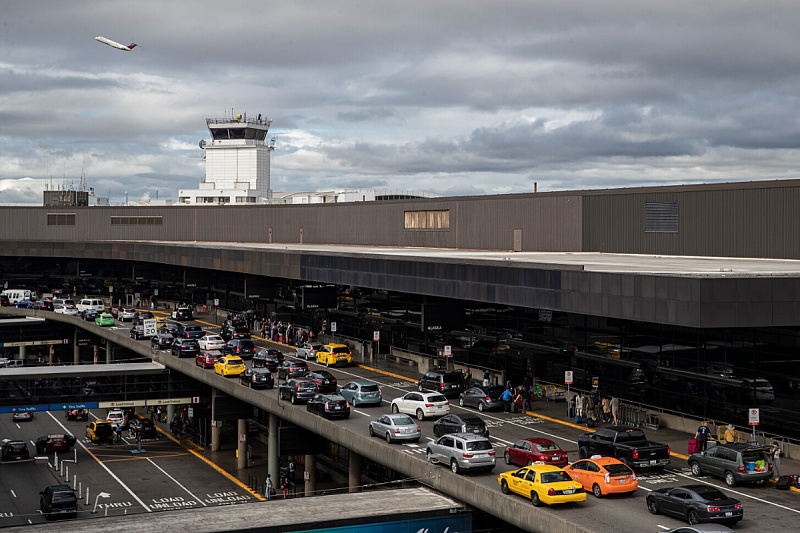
(105, 319)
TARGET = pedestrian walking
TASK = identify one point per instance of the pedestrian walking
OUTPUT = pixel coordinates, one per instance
(615, 409)
(292, 468)
(776, 459)
(703, 434)
(506, 397)
(578, 405)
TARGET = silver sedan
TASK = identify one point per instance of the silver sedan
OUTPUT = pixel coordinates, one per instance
(395, 427)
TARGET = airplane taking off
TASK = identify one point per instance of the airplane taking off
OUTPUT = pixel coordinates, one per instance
(115, 44)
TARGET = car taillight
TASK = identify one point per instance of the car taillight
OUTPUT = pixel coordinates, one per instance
(551, 492)
(464, 428)
(347, 404)
(542, 458)
(607, 478)
(441, 385)
(326, 405)
(668, 452)
(633, 476)
(491, 453)
(737, 506)
(298, 387)
(238, 350)
(713, 508)
(635, 454)
(742, 469)
(428, 405)
(467, 455)
(397, 430)
(488, 399)
(418, 429)
(447, 403)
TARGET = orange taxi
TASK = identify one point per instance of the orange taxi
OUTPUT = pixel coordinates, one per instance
(604, 475)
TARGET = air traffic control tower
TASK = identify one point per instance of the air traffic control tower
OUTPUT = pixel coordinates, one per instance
(237, 163)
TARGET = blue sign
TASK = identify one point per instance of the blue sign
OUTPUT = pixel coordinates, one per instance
(72, 406)
(24, 408)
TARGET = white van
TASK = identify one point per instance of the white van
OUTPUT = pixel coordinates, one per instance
(17, 295)
(63, 301)
(93, 304)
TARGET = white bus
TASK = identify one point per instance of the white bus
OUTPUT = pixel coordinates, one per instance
(17, 295)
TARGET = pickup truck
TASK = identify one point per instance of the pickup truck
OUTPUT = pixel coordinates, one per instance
(628, 444)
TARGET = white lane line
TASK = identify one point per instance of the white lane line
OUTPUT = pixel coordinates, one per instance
(504, 441)
(728, 489)
(17, 426)
(662, 527)
(177, 482)
(110, 473)
(33, 443)
(359, 412)
(14, 494)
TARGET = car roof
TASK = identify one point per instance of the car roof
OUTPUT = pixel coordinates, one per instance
(362, 382)
(536, 440)
(398, 415)
(603, 461)
(468, 436)
(337, 397)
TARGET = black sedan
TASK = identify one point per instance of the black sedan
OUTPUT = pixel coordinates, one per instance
(161, 341)
(257, 378)
(145, 429)
(268, 359)
(329, 406)
(185, 348)
(292, 369)
(137, 332)
(141, 316)
(324, 380)
(90, 314)
(44, 305)
(695, 504)
(297, 390)
(170, 327)
(460, 423)
(26, 416)
(14, 450)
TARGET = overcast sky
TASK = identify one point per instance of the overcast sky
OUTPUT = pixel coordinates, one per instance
(451, 97)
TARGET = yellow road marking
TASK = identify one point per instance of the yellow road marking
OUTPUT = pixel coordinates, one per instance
(387, 373)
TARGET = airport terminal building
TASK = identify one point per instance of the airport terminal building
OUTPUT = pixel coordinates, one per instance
(683, 298)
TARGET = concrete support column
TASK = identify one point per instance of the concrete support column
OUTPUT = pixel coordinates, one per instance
(241, 454)
(215, 440)
(310, 463)
(273, 464)
(355, 472)
(23, 352)
(170, 412)
(109, 351)
(76, 351)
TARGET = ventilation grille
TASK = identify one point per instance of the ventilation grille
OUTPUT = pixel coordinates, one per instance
(661, 217)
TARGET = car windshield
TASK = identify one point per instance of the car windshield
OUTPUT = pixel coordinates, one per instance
(369, 388)
(436, 398)
(190, 342)
(192, 328)
(555, 477)
(341, 350)
(478, 445)
(403, 421)
(547, 447)
(452, 378)
(630, 435)
(711, 494)
(61, 497)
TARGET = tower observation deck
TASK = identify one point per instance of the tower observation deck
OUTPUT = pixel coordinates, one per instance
(237, 162)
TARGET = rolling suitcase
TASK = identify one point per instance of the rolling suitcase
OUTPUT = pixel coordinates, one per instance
(590, 422)
(784, 483)
(694, 445)
(578, 419)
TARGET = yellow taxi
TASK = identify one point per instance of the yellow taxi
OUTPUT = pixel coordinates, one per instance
(542, 484)
(99, 431)
(605, 475)
(229, 365)
(334, 354)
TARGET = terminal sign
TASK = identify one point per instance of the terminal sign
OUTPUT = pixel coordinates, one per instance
(376, 336)
(568, 377)
(754, 417)
(448, 351)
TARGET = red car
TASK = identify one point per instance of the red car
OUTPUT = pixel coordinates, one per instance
(54, 443)
(207, 358)
(529, 451)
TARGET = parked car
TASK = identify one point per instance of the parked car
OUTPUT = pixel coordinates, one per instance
(395, 427)
(628, 444)
(362, 392)
(329, 406)
(211, 342)
(14, 450)
(695, 504)
(257, 378)
(58, 501)
(421, 404)
(183, 313)
(334, 354)
(462, 451)
(460, 423)
(207, 358)
(142, 427)
(116, 415)
(291, 368)
(325, 381)
(546, 484)
(244, 348)
(533, 450)
(447, 383)
(604, 475)
(185, 348)
(269, 359)
(735, 463)
(229, 365)
(483, 398)
(161, 341)
(308, 351)
(99, 431)
(297, 390)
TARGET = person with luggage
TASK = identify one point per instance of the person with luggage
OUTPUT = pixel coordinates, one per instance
(775, 453)
(703, 435)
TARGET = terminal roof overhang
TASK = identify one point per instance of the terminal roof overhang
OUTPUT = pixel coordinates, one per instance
(679, 290)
